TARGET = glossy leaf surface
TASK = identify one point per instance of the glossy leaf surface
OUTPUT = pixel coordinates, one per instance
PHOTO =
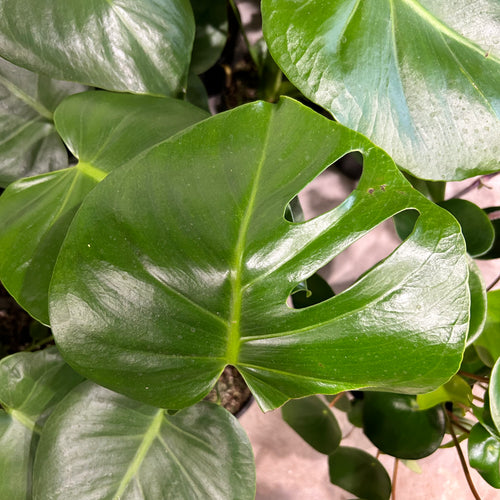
(186, 262)
(104, 131)
(397, 426)
(476, 227)
(31, 385)
(314, 422)
(211, 33)
(484, 454)
(488, 344)
(118, 448)
(478, 302)
(29, 144)
(141, 46)
(494, 394)
(456, 390)
(359, 473)
(421, 78)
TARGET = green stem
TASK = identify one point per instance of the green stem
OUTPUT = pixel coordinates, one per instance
(42, 342)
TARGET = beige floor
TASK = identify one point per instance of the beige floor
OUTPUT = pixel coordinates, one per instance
(287, 468)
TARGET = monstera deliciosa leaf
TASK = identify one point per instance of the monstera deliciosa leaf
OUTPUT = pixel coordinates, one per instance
(119, 448)
(141, 46)
(420, 78)
(185, 262)
(29, 144)
(104, 131)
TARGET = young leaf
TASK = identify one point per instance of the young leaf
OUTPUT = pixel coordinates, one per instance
(484, 454)
(397, 426)
(29, 144)
(314, 422)
(186, 262)
(104, 131)
(141, 46)
(31, 385)
(456, 390)
(421, 79)
(359, 473)
(118, 448)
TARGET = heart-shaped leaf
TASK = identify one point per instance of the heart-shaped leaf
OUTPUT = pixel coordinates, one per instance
(29, 144)
(140, 46)
(484, 454)
(31, 385)
(186, 261)
(421, 78)
(314, 422)
(397, 426)
(211, 33)
(359, 473)
(104, 131)
(118, 448)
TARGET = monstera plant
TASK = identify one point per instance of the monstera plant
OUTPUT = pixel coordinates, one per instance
(161, 242)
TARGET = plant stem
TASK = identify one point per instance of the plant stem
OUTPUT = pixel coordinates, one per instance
(394, 477)
(333, 402)
(42, 342)
(462, 461)
(478, 183)
(474, 377)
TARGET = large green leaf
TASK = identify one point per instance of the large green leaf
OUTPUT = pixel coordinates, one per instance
(31, 385)
(29, 144)
(140, 46)
(186, 261)
(420, 78)
(104, 131)
(118, 448)
(314, 422)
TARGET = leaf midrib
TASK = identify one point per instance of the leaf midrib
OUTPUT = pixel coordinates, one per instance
(236, 271)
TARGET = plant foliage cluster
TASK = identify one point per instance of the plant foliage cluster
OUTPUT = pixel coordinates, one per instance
(160, 243)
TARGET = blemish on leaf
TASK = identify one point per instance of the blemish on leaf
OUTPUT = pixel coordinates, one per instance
(371, 191)
(383, 186)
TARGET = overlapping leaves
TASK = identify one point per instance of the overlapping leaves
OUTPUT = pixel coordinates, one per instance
(104, 131)
(419, 78)
(186, 261)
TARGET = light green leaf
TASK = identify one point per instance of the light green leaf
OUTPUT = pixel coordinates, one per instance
(104, 131)
(211, 33)
(421, 79)
(456, 390)
(359, 473)
(478, 302)
(29, 144)
(314, 422)
(141, 46)
(186, 261)
(494, 395)
(488, 344)
(31, 385)
(117, 448)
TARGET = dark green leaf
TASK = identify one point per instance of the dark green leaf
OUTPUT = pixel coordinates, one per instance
(118, 448)
(359, 473)
(484, 454)
(397, 426)
(476, 227)
(185, 264)
(355, 413)
(211, 33)
(141, 46)
(314, 422)
(31, 385)
(104, 131)
(419, 78)
(494, 216)
(488, 344)
(29, 144)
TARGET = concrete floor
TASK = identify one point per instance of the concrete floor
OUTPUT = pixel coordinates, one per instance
(287, 468)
